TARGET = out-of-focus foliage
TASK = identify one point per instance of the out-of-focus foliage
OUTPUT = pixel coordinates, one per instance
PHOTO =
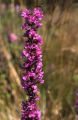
(60, 56)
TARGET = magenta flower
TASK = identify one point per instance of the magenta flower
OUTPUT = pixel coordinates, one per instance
(77, 117)
(76, 102)
(17, 8)
(52, 66)
(13, 37)
(3, 6)
(33, 64)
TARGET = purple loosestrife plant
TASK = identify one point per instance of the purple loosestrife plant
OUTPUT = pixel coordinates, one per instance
(77, 105)
(33, 64)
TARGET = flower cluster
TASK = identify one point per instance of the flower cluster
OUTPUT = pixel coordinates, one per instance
(33, 63)
(13, 37)
(17, 8)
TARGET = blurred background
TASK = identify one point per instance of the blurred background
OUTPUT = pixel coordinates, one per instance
(60, 58)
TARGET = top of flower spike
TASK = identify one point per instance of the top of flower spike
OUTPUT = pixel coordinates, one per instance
(38, 13)
(28, 13)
